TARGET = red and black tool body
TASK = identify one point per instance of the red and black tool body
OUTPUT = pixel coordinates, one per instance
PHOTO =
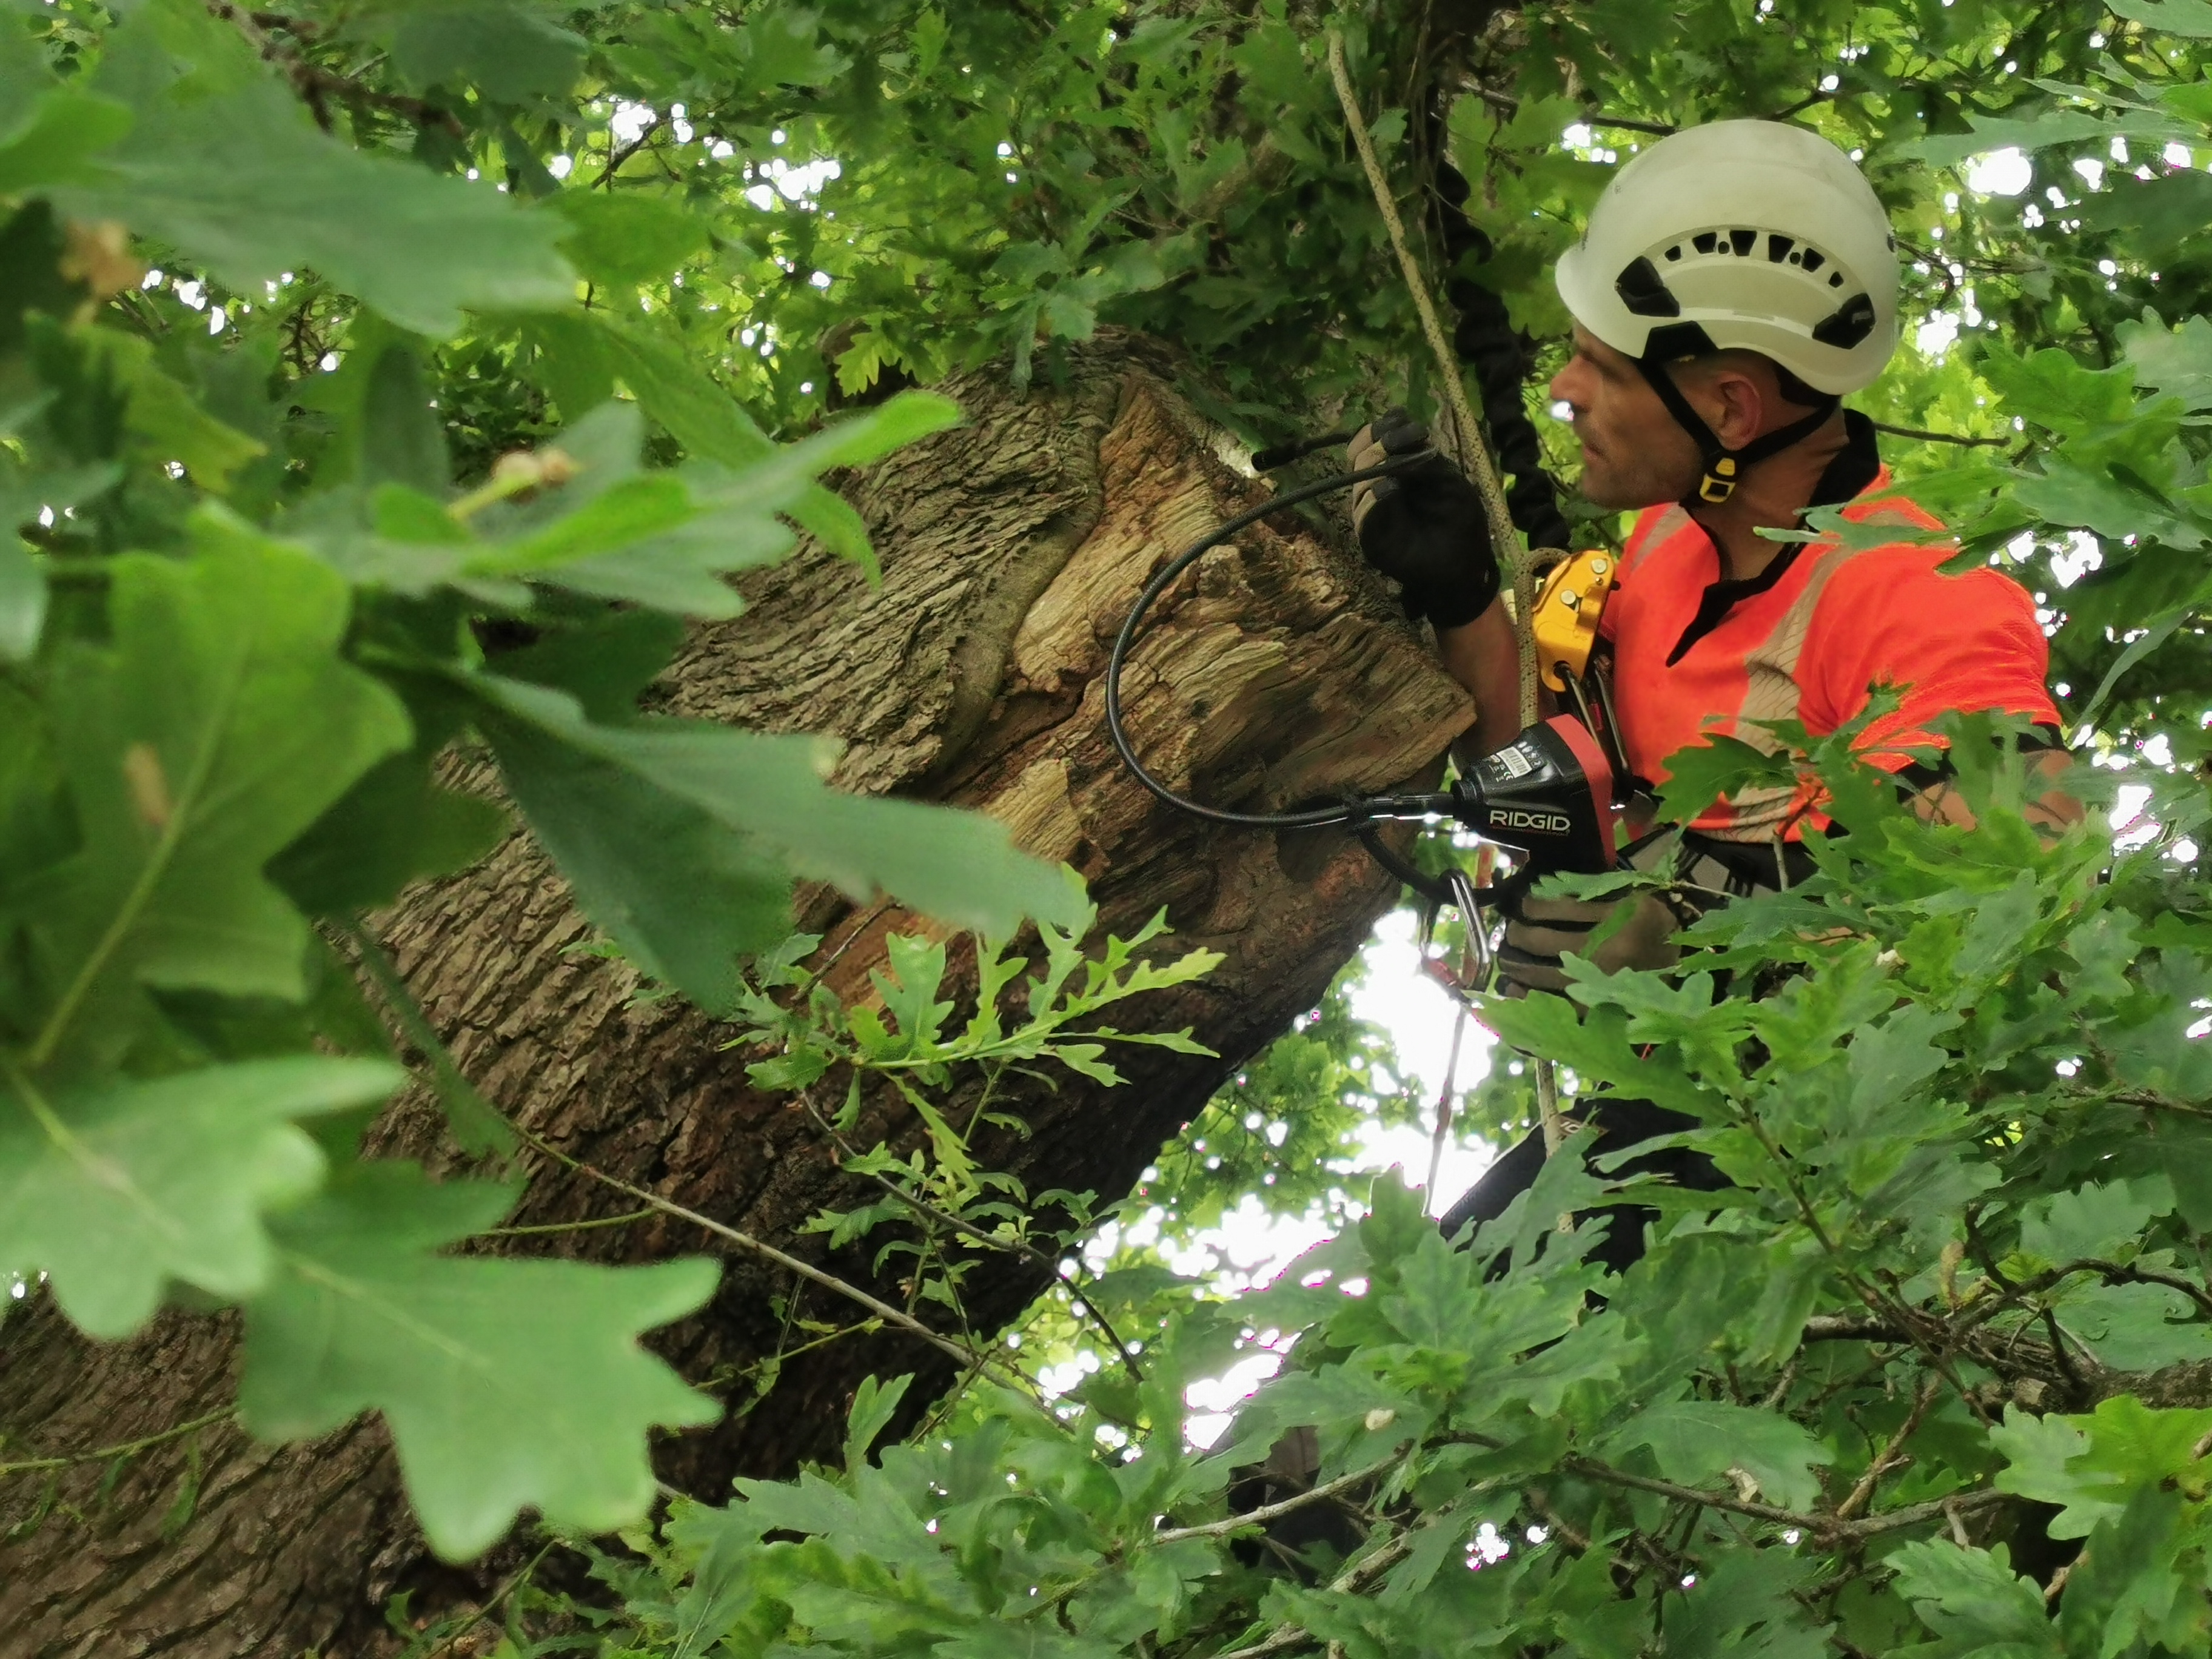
(1549, 793)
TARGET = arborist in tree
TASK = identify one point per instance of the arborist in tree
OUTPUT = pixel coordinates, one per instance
(1735, 282)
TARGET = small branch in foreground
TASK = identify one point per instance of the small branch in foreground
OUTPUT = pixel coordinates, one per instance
(449, 1643)
(1821, 1526)
(545, 1228)
(1922, 435)
(107, 1454)
(975, 1235)
(314, 83)
(1267, 1512)
(617, 158)
(1358, 1576)
(806, 1270)
(1891, 1455)
(1576, 1539)
(1509, 105)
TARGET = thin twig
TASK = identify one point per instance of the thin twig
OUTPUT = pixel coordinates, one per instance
(1783, 1384)
(1576, 1540)
(499, 1598)
(1854, 1327)
(1926, 437)
(767, 1252)
(1267, 1512)
(1474, 454)
(623, 1220)
(105, 1453)
(313, 83)
(1509, 105)
(970, 1231)
(1823, 1526)
(1891, 1455)
(1445, 1106)
(1359, 1574)
(1799, 107)
(617, 159)
(1502, 534)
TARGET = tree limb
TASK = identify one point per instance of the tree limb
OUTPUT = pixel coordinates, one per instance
(1821, 1525)
(806, 1270)
(313, 82)
(1358, 1576)
(1267, 1512)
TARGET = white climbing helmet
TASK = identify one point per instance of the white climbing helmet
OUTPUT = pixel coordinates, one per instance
(1755, 234)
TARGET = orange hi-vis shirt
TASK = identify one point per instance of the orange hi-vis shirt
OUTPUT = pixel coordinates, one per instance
(1807, 638)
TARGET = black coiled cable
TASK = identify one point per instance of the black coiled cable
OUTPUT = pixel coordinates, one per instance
(1487, 341)
(1360, 810)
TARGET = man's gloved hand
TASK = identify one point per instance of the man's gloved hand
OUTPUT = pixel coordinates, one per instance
(1425, 527)
(1540, 931)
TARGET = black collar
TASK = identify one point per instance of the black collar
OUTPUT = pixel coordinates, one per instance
(1854, 467)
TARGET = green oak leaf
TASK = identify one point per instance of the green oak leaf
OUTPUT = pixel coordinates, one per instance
(2037, 132)
(508, 51)
(1697, 1441)
(227, 165)
(1974, 1601)
(216, 724)
(1700, 773)
(58, 139)
(115, 1188)
(628, 238)
(2093, 1221)
(2177, 361)
(506, 1383)
(2134, 1328)
(2184, 17)
(2090, 1464)
(677, 835)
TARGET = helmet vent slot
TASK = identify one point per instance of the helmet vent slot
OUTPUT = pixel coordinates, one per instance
(1704, 240)
(1743, 241)
(1814, 258)
(1643, 291)
(1848, 325)
(1779, 247)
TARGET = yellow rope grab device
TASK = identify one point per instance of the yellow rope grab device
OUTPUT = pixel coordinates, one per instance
(1563, 625)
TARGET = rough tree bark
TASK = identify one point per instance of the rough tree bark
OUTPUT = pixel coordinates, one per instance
(1278, 671)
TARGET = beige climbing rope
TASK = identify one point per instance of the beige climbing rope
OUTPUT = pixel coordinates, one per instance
(1475, 455)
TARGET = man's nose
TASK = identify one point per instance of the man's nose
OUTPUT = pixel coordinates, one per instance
(1563, 388)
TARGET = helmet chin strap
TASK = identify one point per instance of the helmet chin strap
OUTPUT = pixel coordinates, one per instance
(1724, 467)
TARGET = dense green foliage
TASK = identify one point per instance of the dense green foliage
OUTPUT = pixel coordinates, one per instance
(472, 314)
(235, 641)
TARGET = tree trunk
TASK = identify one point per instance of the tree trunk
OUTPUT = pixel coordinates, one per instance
(1276, 673)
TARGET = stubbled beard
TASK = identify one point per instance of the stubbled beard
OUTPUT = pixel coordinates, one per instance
(1617, 489)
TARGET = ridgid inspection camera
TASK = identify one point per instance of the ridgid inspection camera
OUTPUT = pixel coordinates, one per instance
(1549, 795)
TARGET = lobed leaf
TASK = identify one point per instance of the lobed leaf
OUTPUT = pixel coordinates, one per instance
(508, 1384)
(116, 1188)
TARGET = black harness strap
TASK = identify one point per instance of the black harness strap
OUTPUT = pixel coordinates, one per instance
(1724, 467)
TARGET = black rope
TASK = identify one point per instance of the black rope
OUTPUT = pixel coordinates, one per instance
(1487, 341)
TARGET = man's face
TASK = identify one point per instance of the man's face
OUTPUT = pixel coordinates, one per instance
(1634, 452)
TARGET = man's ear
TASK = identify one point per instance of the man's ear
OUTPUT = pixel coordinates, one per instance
(1739, 407)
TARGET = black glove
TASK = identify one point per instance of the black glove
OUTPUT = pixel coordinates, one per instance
(1540, 931)
(1424, 528)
